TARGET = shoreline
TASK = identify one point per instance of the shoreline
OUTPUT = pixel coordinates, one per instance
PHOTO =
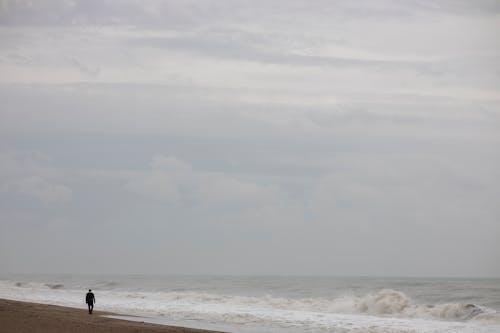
(20, 317)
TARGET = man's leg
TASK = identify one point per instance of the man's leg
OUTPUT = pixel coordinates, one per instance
(91, 307)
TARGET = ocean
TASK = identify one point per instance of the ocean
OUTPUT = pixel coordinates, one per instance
(249, 304)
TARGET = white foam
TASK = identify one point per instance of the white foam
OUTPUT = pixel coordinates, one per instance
(384, 311)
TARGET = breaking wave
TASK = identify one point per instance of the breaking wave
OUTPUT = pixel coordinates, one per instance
(392, 302)
(386, 302)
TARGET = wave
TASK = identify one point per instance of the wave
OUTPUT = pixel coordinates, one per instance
(385, 302)
(383, 305)
(392, 302)
(108, 284)
(55, 285)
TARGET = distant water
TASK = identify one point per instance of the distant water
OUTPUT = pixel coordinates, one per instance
(278, 304)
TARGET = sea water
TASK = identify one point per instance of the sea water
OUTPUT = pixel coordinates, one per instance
(243, 304)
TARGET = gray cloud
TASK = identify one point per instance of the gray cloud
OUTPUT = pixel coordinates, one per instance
(231, 47)
(181, 13)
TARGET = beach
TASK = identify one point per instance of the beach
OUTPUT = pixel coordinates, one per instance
(27, 317)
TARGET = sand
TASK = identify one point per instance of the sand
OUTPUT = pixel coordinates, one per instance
(26, 317)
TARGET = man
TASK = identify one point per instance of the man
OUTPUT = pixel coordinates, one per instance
(90, 299)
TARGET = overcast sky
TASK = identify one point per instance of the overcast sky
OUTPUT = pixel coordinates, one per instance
(250, 137)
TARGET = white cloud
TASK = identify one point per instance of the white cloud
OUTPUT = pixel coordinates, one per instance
(174, 181)
(43, 190)
(169, 163)
(226, 191)
(30, 173)
(414, 191)
(156, 185)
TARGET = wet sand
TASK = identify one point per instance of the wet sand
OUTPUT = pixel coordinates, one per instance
(20, 317)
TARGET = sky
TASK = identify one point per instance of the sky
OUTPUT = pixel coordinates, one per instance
(250, 137)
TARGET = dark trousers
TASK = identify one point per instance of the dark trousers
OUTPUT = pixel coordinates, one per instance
(91, 306)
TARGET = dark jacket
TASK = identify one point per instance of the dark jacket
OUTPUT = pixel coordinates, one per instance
(90, 298)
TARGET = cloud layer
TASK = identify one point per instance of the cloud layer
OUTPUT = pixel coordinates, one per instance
(250, 137)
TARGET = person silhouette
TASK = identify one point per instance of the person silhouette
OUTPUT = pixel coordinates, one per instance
(90, 300)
